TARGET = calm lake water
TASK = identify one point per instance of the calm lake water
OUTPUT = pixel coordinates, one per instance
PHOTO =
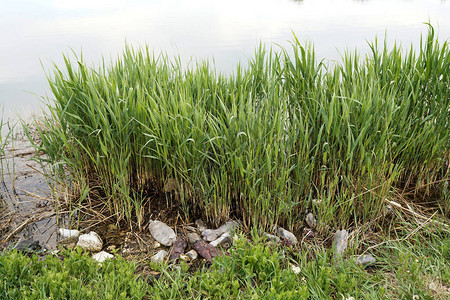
(35, 33)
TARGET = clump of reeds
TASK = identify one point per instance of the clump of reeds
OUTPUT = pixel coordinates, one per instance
(285, 134)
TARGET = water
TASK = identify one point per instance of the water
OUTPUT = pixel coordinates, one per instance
(35, 33)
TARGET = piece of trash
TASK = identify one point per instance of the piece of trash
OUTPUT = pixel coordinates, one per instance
(102, 256)
(295, 269)
(69, 233)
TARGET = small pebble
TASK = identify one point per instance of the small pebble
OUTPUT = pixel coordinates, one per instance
(159, 257)
(192, 254)
(287, 235)
(200, 225)
(311, 221)
(193, 237)
(365, 260)
(272, 238)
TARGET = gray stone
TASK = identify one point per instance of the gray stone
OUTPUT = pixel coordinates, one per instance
(340, 242)
(159, 256)
(272, 238)
(213, 234)
(311, 221)
(200, 225)
(90, 242)
(365, 260)
(193, 237)
(162, 233)
(287, 235)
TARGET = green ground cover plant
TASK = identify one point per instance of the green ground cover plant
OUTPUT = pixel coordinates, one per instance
(253, 270)
(284, 135)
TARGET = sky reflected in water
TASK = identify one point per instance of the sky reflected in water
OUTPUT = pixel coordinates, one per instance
(36, 33)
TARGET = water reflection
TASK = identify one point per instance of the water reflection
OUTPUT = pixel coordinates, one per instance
(40, 31)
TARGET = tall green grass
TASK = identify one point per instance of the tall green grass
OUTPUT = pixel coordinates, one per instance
(285, 134)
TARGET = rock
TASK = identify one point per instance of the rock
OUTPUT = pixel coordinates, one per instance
(70, 234)
(162, 233)
(28, 246)
(205, 250)
(185, 257)
(102, 256)
(272, 238)
(90, 242)
(178, 248)
(311, 221)
(224, 240)
(340, 242)
(159, 257)
(200, 225)
(190, 228)
(295, 269)
(156, 245)
(213, 234)
(365, 260)
(192, 254)
(193, 237)
(287, 235)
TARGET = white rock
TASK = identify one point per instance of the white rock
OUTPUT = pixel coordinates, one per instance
(90, 242)
(192, 254)
(102, 256)
(162, 233)
(295, 269)
(284, 234)
(340, 242)
(222, 238)
(156, 245)
(159, 257)
(69, 233)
